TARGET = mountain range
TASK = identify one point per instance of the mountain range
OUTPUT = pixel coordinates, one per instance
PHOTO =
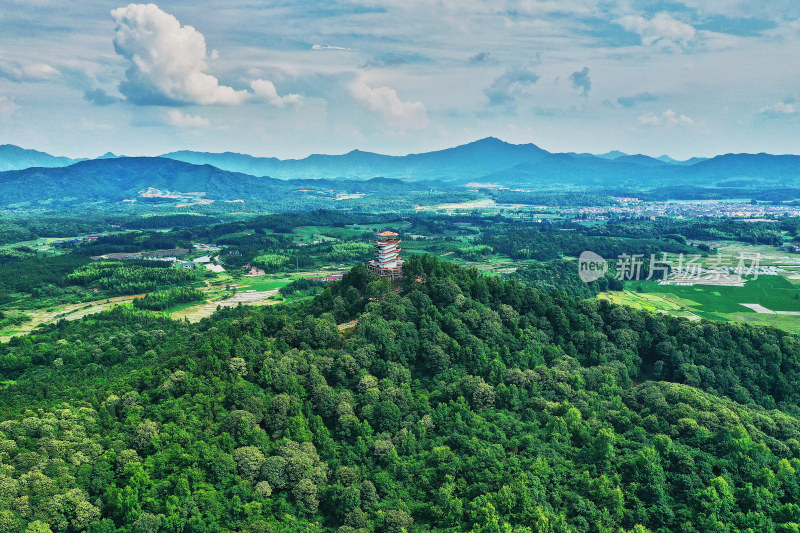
(16, 158)
(158, 179)
(487, 161)
(486, 158)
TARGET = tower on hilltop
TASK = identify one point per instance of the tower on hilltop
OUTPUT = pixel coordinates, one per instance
(387, 262)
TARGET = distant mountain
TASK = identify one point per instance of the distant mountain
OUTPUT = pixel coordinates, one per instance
(466, 161)
(743, 165)
(16, 158)
(640, 159)
(229, 176)
(120, 179)
(155, 179)
(494, 161)
(247, 164)
(691, 161)
(613, 154)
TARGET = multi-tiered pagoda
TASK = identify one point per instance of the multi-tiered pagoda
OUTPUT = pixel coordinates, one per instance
(387, 263)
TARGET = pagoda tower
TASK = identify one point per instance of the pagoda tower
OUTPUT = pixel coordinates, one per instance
(387, 262)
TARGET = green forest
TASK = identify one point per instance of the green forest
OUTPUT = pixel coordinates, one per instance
(458, 402)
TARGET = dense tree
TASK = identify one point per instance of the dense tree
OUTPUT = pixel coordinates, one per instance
(459, 402)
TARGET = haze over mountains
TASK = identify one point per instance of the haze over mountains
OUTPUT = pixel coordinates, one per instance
(487, 161)
(153, 179)
(16, 158)
(489, 157)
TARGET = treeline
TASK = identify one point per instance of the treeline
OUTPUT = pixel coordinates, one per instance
(563, 276)
(133, 241)
(705, 229)
(286, 222)
(29, 282)
(302, 287)
(548, 243)
(16, 227)
(163, 300)
(309, 256)
(351, 251)
(271, 262)
(574, 199)
(129, 277)
(175, 221)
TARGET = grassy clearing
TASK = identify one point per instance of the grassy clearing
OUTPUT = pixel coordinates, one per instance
(661, 303)
(785, 322)
(67, 312)
(266, 283)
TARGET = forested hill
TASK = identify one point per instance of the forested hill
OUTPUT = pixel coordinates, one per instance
(153, 179)
(460, 403)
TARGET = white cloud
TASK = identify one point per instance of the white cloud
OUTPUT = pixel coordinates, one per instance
(179, 120)
(30, 72)
(667, 118)
(397, 113)
(7, 106)
(168, 62)
(662, 29)
(265, 90)
(328, 47)
(781, 108)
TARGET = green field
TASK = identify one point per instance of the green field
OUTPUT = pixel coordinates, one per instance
(773, 292)
(327, 233)
(717, 303)
(265, 283)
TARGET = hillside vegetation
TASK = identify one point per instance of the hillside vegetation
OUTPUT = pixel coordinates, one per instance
(461, 402)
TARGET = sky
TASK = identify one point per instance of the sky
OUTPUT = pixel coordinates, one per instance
(289, 78)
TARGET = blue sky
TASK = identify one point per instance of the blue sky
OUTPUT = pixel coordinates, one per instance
(289, 78)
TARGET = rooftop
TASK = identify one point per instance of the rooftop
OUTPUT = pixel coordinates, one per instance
(387, 234)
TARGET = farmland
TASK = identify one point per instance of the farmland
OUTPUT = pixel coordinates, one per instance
(259, 256)
(774, 293)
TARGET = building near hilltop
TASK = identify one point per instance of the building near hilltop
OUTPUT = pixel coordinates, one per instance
(387, 262)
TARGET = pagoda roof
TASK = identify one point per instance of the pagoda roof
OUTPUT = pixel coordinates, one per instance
(387, 234)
